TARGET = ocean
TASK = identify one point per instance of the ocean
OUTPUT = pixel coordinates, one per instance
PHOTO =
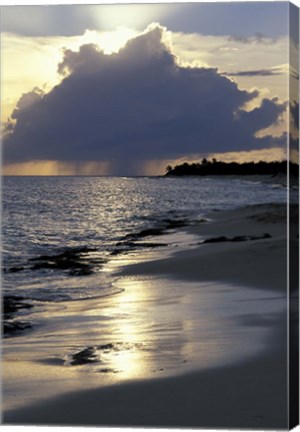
(92, 220)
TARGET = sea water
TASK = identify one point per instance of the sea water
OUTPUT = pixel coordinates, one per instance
(48, 216)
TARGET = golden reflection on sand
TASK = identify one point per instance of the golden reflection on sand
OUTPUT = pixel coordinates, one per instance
(151, 328)
(131, 360)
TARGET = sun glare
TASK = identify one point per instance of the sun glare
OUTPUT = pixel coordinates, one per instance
(135, 16)
(110, 41)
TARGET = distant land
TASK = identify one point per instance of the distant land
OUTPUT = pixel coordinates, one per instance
(214, 167)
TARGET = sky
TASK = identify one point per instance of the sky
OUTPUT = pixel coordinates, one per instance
(130, 89)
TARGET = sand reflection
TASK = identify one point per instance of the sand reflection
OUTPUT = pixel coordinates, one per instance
(154, 327)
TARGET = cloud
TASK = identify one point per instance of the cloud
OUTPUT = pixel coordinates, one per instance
(267, 155)
(133, 106)
(257, 38)
(19, 53)
(259, 72)
(233, 56)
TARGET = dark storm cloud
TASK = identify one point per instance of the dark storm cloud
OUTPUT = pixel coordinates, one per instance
(135, 105)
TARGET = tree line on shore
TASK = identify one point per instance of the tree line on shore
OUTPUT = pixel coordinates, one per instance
(214, 167)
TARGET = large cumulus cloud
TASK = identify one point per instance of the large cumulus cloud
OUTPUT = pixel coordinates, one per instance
(135, 105)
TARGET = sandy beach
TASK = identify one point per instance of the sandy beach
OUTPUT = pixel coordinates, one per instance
(242, 385)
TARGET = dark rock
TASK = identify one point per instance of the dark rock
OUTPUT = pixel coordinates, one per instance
(235, 239)
(70, 253)
(239, 238)
(175, 223)
(123, 247)
(74, 260)
(145, 233)
(216, 240)
(12, 304)
(150, 245)
(266, 235)
(118, 252)
(105, 347)
(132, 245)
(85, 271)
(15, 269)
(93, 354)
(87, 355)
(10, 328)
(119, 346)
(249, 237)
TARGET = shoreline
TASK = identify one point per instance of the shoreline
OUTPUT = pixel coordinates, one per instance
(253, 220)
(250, 393)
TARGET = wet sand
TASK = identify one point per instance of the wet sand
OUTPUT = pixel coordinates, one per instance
(247, 391)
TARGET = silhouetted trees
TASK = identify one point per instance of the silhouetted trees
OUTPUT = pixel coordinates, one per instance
(215, 167)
